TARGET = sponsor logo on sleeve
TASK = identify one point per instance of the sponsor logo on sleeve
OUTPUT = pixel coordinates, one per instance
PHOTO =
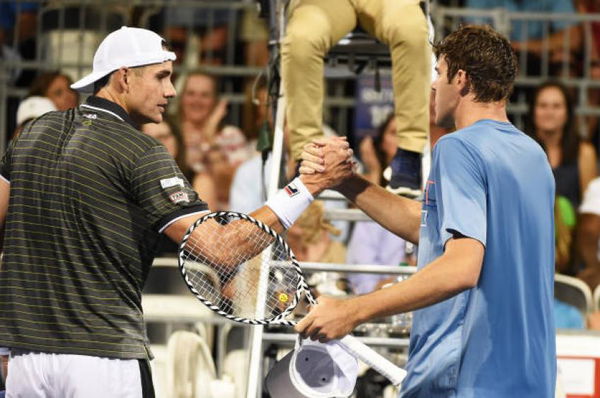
(179, 197)
(171, 182)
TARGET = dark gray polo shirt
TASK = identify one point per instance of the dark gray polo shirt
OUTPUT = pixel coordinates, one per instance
(89, 196)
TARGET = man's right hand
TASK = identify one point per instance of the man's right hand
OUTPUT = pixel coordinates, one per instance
(326, 163)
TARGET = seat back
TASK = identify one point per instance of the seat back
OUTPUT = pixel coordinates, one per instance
(573, 291)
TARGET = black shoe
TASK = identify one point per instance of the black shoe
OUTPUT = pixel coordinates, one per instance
(404, 174)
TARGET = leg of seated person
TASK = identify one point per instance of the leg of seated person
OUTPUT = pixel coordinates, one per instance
(313, 27)
(402, 25)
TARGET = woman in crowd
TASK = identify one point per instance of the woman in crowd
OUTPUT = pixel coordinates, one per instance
(57, 87)
(552, 123)
(377, 152)
(201, 116)
(207, 139)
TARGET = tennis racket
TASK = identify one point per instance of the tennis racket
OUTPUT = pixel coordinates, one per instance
(243, 270)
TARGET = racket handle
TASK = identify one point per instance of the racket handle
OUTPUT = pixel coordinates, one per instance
(361, 351)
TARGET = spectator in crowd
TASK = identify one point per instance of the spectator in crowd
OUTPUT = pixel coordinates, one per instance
(257, 115)
(370, 243)
(211, 145)
(592, 37)
(251, 178)
(593, 321)
(567, 316)
(18, 22)
(205, 30)
(218, 168)
(310, 238)
(377, 152)
(31, 108)
(529, 39)
(552, 122)
(167, 134)
(57, 87)
(7, 53)
(202, 116)
(588, 237)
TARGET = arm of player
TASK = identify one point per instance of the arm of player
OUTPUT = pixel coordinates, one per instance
(207, 235)
(401, 216)
(456, 270)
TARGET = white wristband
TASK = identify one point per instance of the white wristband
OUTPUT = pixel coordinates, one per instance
(290, 202)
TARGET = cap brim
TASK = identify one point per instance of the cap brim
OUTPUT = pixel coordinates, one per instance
(86, 84)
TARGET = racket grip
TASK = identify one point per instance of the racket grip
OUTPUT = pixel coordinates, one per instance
(361, 351)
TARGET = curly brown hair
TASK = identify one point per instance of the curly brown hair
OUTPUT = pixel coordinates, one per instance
(487, 58)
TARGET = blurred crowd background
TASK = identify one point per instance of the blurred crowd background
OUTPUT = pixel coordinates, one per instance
(222, 112)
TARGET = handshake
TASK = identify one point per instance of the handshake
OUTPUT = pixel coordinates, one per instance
(326, 163)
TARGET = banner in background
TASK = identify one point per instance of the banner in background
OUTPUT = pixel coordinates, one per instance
(372, 106)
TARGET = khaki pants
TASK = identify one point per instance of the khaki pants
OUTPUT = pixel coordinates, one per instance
(316, 25)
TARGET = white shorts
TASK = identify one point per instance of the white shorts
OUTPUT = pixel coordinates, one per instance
(43, 375)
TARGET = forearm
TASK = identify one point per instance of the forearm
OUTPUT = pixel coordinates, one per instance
(268, 217)
(555, 42)
(397, 214)
(443, 278)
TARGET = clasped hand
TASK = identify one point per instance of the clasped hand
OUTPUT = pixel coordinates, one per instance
(329, 159)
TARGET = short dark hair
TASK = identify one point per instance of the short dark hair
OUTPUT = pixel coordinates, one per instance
(100, 83)
(103, 81)
(485, 55)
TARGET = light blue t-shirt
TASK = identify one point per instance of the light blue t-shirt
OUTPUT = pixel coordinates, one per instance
(492, 183)
(530, 29)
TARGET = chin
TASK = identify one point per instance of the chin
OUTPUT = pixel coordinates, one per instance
(156, 119)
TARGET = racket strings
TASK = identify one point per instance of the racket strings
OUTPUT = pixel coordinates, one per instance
(229, 276)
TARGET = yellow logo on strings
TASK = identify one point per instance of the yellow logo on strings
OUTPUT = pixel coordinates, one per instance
(283, 297)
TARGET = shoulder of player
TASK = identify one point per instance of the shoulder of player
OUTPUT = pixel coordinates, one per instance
(112, 125)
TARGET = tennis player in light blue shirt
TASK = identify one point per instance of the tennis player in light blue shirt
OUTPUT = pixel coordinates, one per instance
(483, 322)
(492, 183)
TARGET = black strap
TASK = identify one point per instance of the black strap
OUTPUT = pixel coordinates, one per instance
(146, 377)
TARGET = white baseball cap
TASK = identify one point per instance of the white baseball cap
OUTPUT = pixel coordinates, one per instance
(33, 107)
(126, 47)
(313, 370)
